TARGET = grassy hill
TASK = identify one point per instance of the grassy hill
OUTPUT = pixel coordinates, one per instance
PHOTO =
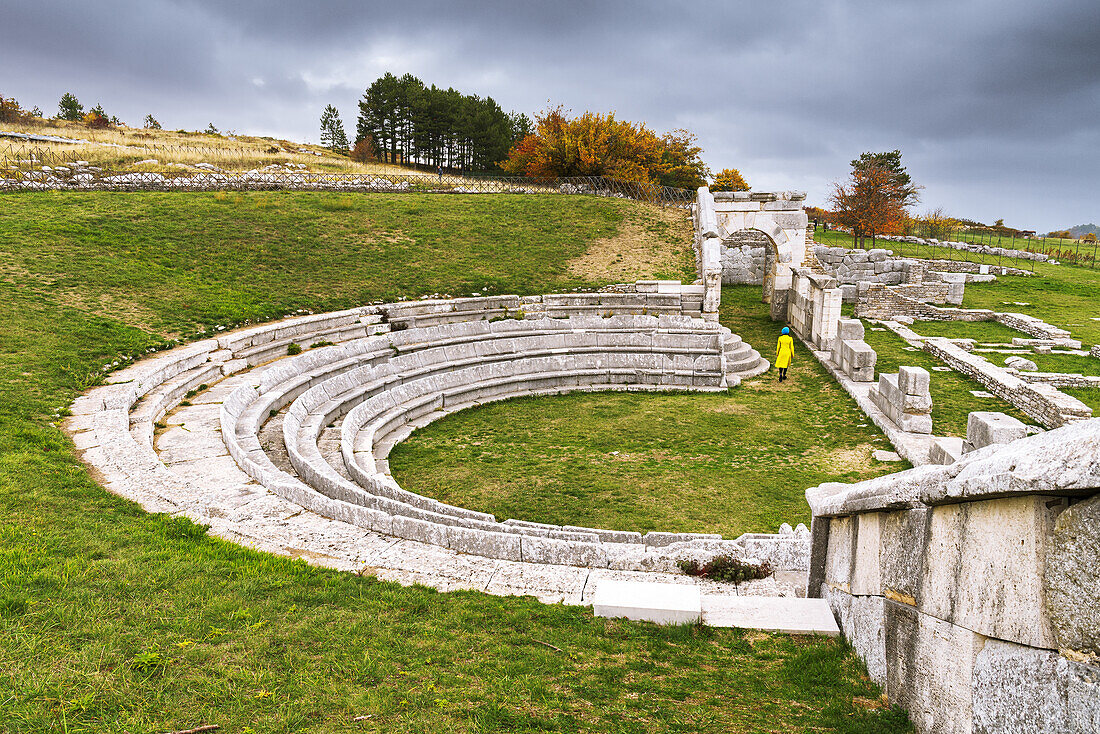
(115, 620)
(121, 148)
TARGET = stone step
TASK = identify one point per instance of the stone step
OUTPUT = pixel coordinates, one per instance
(760, 367)
(773, 614)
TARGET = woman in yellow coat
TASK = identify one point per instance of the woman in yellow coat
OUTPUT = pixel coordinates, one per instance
(784, 351)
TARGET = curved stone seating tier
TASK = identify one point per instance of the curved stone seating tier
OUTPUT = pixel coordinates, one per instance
(570, 353)
(395, 367)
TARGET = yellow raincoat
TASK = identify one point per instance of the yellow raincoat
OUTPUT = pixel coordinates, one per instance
(784, 350)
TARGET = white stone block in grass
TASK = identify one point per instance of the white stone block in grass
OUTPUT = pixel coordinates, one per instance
(648, 602)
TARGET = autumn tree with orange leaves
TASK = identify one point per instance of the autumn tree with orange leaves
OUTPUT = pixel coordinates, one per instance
(602, 145)
(872, 203)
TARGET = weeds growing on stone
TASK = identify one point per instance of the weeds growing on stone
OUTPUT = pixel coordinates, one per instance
(727, 568)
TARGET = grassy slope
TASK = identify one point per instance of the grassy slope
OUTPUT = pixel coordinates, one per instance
(121, 148)
(726, 463)
(113, 620)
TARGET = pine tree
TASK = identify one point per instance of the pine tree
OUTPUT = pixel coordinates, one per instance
(151, 123)
(69, 108)
(333, 136)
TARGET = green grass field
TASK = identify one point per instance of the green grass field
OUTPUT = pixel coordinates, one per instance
(952, 400)
(727, 463)
(114, 620)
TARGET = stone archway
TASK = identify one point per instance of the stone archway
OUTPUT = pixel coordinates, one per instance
(777, 215)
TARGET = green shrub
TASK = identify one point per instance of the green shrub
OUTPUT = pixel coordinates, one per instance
(727, 568)
(293, 349)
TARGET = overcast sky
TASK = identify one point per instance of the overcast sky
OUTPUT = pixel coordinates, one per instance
(994, 104)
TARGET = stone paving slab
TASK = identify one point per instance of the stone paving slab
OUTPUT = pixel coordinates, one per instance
(773, 614)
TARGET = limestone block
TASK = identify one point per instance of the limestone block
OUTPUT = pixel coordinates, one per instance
(862, 620)
(769, 612)
(918, 404)
(840, 557)
(930, 665)
(915, 423)
(866, 566)
(913, 380)
(1019, 690)
(1072, 577)
(946, 450)
(650, 602)
(859, 354)
(850, 330)
(984, 428)
(482, 543)
(1020, 363)
(656, 539)
(563, 552)
(983, 568)
(903, 538)
(420, 530)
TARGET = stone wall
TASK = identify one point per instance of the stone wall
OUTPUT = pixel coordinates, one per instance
(1031, 325)
(1095, 351)
(851, 354)
(905, 399)
(964, 266)
(980, 249)
(857, 266)
(744, 257)
(1043, 402)
(878, 301)
(813, 308)
(971, 590)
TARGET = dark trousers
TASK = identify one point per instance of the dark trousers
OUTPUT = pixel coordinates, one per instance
(782, 374)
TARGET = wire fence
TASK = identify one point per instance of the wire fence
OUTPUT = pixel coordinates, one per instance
(37, 169)
(983, 245)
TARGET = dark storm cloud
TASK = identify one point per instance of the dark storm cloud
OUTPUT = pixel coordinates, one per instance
(996, 105)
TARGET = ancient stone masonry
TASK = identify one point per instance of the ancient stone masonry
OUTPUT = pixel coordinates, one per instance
(1040, 401)
(1095, 351)
(972, 590)
(813, 308)
(778, 215)
(905, 399)
(853, 356)
(310, 433)
(971, 247)
(1037, 328)
(985, 428)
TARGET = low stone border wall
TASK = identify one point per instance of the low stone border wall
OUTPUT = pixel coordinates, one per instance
(971, 247)
(970, 590)
(1042, 402)
(1060, 379)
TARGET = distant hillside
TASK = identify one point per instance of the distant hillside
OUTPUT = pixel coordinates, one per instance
(1083, 229)
(122, 148)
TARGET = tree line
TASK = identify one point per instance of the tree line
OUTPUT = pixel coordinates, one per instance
(594, 144)
(405, 121)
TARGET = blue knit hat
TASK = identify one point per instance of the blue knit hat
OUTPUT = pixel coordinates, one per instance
(786, 330)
